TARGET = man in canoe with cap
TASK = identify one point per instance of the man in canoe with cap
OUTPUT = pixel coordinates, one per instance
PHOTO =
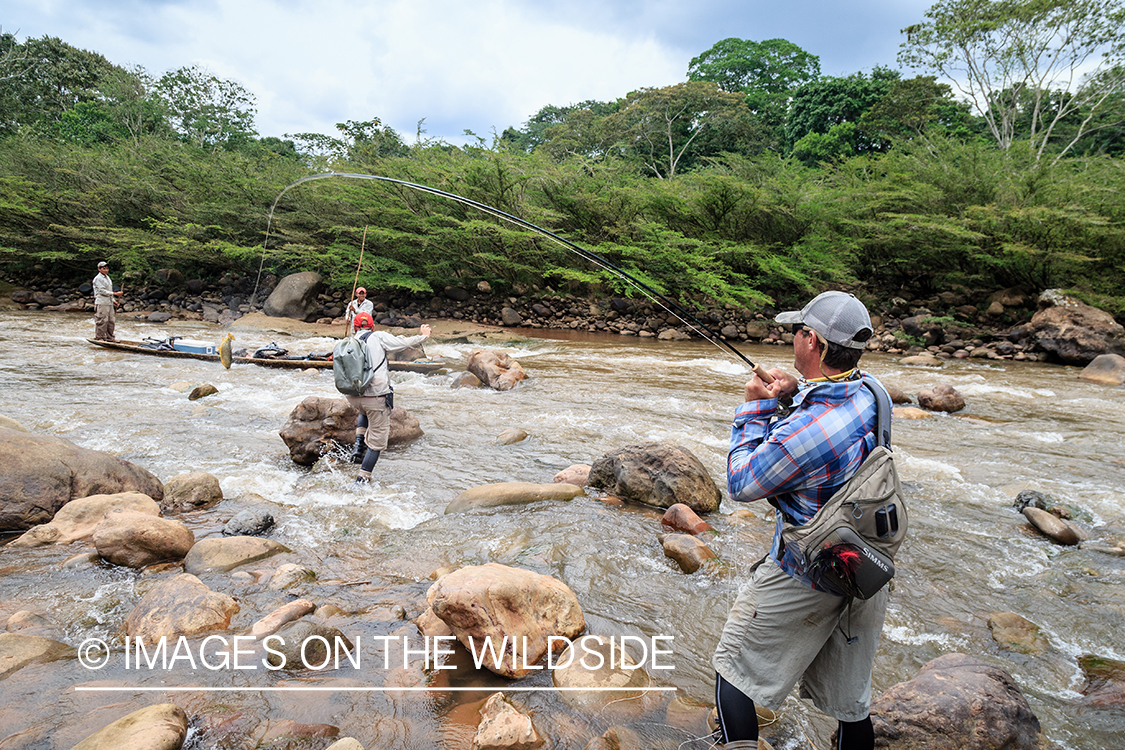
(358, 305)
(782, 628)
(104, 303)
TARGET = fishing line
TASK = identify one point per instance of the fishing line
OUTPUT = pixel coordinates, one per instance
(668, 305)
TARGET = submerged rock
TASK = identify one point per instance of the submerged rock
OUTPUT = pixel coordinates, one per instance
(688, 552)
(17, 650)
(191, 491)
(222, 554)
(1105, 681)
(505, 727)
(160, 727)
(511, 493)
(182, 605)
(1054, 527)
(579, 666)
(1016, 633)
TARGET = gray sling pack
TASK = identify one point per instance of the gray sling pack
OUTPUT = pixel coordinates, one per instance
(848, 547)
(351, 365)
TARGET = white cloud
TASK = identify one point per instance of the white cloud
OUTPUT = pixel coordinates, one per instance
(458, 65)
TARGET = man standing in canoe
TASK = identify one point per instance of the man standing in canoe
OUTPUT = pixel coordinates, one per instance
(782, 628)
(104, 304)
(358, 305)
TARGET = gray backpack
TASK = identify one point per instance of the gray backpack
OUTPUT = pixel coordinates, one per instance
(848, 547)
(351, 365)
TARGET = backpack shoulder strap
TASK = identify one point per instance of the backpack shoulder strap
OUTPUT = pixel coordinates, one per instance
(883, 408)
(363, 337)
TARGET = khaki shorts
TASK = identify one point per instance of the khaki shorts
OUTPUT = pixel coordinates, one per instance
(378, 421)
(780, 630)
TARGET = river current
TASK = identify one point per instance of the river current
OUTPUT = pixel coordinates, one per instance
(969, 553)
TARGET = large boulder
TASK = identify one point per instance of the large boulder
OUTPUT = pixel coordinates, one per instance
(296, 297)
(318, 424)
(160, 727)
(182, 605)
(659, 474)
(77, 519)
(43, 473)
(1075, 333)
(515, 610)
(957, 702)
(499, 371)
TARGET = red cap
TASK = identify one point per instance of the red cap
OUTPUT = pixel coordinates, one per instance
(363, 320)
(360, 289)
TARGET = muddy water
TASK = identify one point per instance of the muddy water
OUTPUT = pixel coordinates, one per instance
(1026, 426)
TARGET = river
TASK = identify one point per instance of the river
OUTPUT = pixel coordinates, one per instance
(968, 555)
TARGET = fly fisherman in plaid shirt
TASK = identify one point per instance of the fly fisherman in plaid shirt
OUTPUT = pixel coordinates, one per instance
(781, 629)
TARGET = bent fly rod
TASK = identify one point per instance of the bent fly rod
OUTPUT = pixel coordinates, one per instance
(667, 304)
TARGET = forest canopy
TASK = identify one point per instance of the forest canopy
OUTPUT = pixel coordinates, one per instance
(992, 158)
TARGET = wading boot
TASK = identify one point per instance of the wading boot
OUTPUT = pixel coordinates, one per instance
(369, 460)
(358, 450)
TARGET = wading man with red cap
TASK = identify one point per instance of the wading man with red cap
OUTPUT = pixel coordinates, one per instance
(373, 425)
(782, 628)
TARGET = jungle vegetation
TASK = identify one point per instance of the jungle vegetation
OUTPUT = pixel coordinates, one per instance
(755, 181)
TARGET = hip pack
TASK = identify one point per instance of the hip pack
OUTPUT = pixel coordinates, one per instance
(848, 547)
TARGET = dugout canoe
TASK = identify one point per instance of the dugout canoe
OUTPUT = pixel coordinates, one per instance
(138, 347)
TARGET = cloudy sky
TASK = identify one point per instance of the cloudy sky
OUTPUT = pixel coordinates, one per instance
(481, 66)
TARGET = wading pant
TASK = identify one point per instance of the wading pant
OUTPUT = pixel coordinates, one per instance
(103, 321)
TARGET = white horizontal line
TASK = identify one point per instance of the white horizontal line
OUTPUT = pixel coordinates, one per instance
(343, 689)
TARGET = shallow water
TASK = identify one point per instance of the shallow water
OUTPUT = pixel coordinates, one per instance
(1026, 426)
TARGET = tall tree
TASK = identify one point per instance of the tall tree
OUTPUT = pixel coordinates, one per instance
(663, 127)
(42, 79)
(1026, 65)
(762, 70)
(831, 101)
(206, 110)
(767, 73)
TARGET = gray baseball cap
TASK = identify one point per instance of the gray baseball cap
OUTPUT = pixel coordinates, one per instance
(102, 264)
(837, 316)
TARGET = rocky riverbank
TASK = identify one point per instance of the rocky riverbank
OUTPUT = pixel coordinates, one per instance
(1009, 324)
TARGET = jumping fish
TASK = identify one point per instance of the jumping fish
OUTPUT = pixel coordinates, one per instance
(224, 350)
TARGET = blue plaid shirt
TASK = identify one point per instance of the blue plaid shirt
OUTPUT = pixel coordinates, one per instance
(801, 460)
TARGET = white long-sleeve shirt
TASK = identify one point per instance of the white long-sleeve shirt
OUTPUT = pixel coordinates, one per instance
(379, 344)
(355, 307)
(103, 289)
